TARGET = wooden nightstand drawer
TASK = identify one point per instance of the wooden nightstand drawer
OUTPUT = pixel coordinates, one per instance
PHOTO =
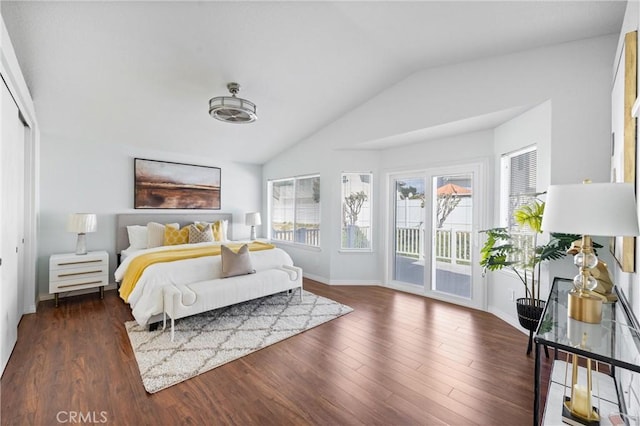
(72, 261)
(78, 283)
(68, 272)
(75, 274)
(59, 278)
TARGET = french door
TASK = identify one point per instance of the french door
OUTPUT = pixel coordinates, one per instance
(409, 229)
(433, 233)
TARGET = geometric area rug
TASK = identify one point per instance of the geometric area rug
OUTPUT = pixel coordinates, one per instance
(211, 339)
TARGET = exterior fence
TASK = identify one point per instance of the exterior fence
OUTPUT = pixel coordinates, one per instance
(451, 246)
(409, 241)
(308, 236)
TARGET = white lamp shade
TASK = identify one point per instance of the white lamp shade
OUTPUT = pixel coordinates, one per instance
(253, 219)
(81, 223)
(605, 209)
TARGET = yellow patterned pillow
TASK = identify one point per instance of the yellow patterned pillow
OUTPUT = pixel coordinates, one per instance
(174, 236)
(217, 231)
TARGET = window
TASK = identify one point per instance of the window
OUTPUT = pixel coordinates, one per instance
(294, 210)
(518, 182)
(356, 211)
(518, 189)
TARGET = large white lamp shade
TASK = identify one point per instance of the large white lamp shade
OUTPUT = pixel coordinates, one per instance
(605, 209)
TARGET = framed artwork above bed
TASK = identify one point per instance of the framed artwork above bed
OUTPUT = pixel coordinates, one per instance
(167, 185)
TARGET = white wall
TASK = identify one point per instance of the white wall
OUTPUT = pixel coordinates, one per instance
(328, 264)
(309, 157)
(97, 177)
(531, 128)
(574, 78)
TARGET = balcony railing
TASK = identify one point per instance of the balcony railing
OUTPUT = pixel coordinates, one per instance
(308, 236)
(451, 245)
(409, 241)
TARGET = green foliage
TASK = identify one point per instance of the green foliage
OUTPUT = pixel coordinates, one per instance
(496, 250)
(408, 192)
(530, 215)
(547, 324)
(504, 249)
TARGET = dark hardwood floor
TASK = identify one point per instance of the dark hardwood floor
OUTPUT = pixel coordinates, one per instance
(398, 359)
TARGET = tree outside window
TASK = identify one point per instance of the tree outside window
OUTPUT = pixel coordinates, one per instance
(356, 211)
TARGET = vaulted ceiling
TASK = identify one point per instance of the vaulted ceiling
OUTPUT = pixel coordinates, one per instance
(141, 73)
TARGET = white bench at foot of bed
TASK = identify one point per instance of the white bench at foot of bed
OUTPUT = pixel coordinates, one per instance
(185, 300)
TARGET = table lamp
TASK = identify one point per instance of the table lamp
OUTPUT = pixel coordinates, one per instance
(252, 220)
(81, 223)
(578, 408)
(580, 403)
(605, 209)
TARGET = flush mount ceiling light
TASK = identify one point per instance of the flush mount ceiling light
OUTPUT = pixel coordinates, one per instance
(231, 109)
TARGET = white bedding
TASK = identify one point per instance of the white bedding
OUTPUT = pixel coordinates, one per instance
(146, 297)
(127, 252)
(133, 253)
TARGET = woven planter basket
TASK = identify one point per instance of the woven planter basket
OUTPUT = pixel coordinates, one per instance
(529, 314)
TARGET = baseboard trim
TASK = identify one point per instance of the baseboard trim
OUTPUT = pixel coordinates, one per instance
(47, 296)
(327, 281)
(318, 278)
(355, 282)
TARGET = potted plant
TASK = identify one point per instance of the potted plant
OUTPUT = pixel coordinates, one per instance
(519, 251)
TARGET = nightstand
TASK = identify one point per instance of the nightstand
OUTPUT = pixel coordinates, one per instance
(72, 271)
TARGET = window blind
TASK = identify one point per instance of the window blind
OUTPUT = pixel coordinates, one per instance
(522, 182)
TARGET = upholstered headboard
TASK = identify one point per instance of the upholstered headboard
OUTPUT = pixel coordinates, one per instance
(122, 239)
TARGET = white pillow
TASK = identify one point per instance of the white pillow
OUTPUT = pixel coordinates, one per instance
(225, 228)
(137, 236)
(155, 233)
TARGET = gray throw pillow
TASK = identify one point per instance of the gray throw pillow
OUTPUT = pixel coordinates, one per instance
(236, 263)
(200, 235)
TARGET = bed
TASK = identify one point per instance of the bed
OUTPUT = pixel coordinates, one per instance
(186, 274)
(123, 220)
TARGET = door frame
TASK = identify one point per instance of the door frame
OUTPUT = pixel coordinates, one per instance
(391, 228)
(480, 205)
(14, 80)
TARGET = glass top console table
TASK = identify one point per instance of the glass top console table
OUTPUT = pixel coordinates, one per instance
(614, 342)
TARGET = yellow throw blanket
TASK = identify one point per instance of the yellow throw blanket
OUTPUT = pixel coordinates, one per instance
(138, 264)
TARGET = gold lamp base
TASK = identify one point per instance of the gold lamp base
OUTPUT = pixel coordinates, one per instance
(585, 307)
(571, 417)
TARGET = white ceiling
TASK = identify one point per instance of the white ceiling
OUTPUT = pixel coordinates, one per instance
(142, 73)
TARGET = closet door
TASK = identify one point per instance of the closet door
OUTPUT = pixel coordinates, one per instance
(11, 176)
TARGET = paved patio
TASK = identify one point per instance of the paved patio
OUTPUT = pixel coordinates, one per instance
(409, 271)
